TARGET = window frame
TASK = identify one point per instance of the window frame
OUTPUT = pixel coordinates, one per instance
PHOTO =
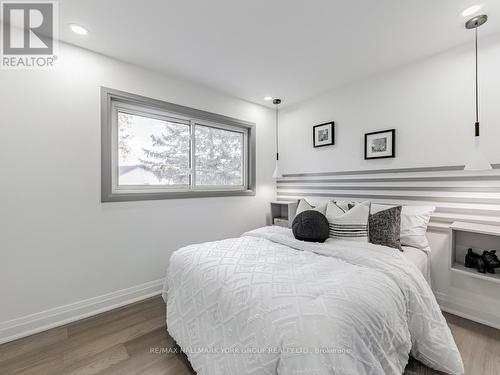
(114, 101)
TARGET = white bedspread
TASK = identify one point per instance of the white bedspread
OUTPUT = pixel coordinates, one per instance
(266, 303)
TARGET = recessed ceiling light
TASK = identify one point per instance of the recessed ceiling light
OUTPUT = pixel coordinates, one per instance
(268, 98)
(77, 29)
(471, 10)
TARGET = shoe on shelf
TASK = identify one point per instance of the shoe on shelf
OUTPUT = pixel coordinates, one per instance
(482, 267)
(474, 260)
(491, 258)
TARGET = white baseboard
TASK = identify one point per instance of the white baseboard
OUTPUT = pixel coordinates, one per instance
(459, 308)
(44, 320)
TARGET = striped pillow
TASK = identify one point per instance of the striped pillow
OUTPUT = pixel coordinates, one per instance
(348, 224)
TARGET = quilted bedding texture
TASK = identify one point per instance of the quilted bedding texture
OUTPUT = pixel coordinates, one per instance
(266, 303)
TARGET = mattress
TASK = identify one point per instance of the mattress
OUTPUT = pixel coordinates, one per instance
(420, 259)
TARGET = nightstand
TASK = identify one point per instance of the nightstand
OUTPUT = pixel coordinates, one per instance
(479, 237)
(283, 213)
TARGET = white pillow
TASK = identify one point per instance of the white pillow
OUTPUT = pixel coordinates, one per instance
(346, 205)
(348, 224)
(305, 206)
(376, 207)
(414, 221)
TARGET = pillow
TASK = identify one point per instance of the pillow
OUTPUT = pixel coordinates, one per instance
(414, 221)
(345, 205)
(310, 226)
(348, 224)
(385, 227)
(304, 206)
(375, 207)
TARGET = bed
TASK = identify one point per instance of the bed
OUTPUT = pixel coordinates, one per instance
(266, 303)
(420, 259)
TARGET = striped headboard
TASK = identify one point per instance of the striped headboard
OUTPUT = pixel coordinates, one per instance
(458, 195)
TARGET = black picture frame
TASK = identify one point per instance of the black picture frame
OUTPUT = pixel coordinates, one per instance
(392, 133)
(331, 125)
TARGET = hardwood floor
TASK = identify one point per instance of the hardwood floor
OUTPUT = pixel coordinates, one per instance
(122, 342)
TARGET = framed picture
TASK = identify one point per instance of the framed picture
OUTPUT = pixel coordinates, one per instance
(324, 134)
(380, 145)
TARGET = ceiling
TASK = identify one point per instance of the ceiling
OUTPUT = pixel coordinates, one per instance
(293, 49)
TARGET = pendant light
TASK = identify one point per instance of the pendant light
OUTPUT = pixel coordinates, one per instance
(477, 160)
(277, 172)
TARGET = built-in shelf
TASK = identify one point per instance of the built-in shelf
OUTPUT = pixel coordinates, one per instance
(476, 228)
(283, 213)
(479, 237)
(460, 268)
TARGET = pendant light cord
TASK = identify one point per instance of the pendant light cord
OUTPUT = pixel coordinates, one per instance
(477, 87)
(477, 160)
(277, 132)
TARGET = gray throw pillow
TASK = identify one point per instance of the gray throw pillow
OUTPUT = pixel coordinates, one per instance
(385, 228)
(310, 226)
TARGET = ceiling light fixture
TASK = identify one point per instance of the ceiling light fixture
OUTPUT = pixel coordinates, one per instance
(471, 10)
(477, 160)
(277, 172)
(268, 98)
(77, 29)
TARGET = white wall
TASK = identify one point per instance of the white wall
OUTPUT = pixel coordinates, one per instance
(59, 243)
(430, 103)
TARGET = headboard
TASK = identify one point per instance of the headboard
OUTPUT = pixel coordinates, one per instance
(458, 195)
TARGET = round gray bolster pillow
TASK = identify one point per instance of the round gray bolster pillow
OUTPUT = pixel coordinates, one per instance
(311, 226)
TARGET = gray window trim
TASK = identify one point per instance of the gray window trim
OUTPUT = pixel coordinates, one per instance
(108, 96)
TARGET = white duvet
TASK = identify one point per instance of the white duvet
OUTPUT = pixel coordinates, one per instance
(266, 303)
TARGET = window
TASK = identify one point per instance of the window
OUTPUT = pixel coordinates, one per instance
(219, 156)
(152, 151)
(159, 150)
